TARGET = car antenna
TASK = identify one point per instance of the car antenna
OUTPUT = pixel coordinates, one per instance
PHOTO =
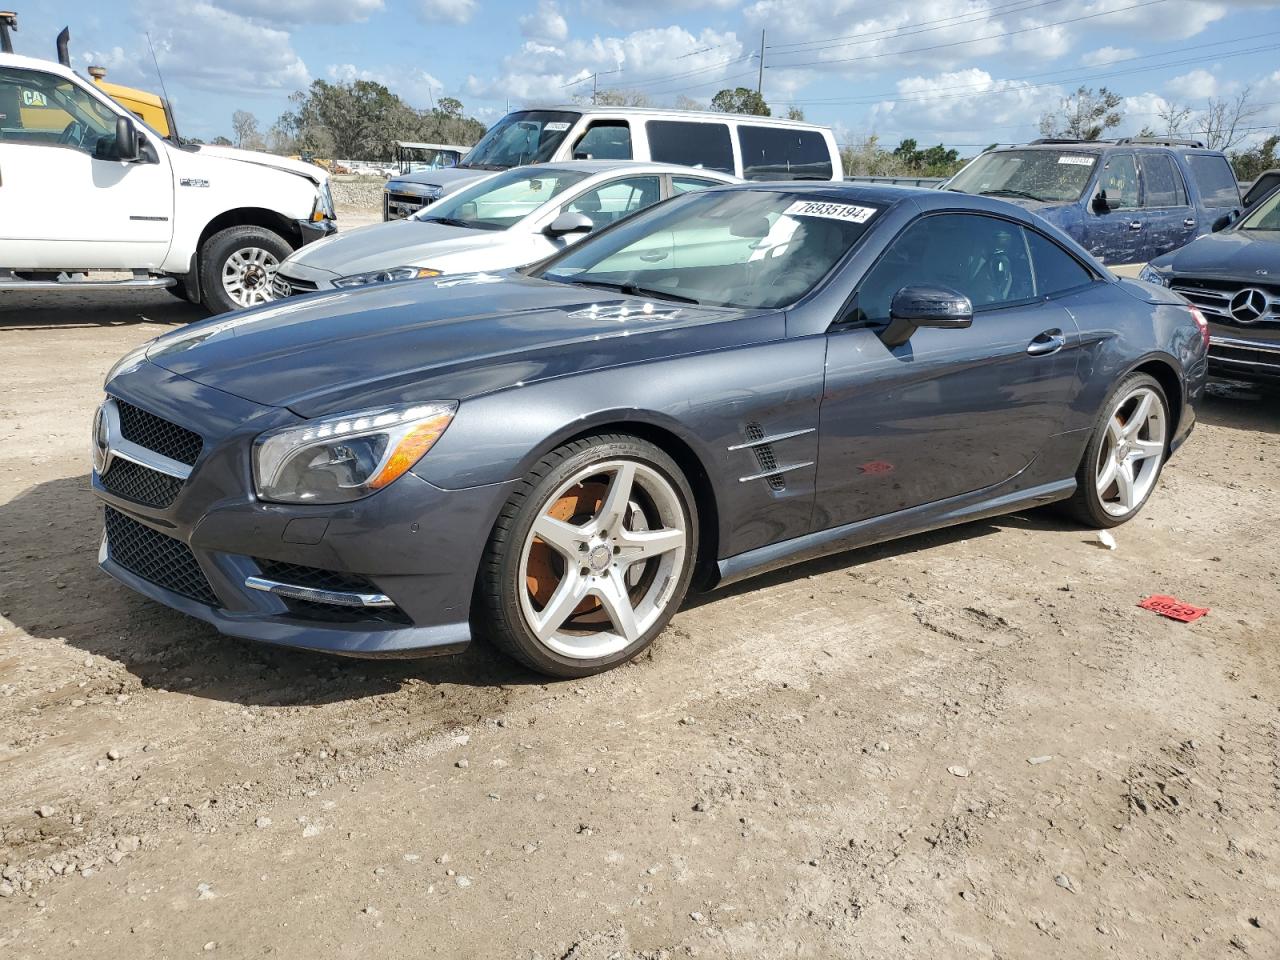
(152, 48)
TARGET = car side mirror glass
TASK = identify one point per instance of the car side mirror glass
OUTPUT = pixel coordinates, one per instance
(126, 139)
(1100, 203)
(1223, 222)
(925, 306)
(568, 223)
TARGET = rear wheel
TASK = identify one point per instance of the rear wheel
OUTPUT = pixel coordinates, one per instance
(1125, 455)
(238, 266)
(590, 558)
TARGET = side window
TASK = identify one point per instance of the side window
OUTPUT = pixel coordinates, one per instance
(1161, 182)
(982, 257)
(1214, 178)
(681, 185)
(1119, 179)
(614, 200)
(604, 140)
(690, 144)
(781, 153)
(1055, 270)
(39, 108)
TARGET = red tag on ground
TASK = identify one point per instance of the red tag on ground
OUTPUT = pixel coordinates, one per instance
(1172, 608)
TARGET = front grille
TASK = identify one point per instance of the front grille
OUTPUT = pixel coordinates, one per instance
(141, 484)
(157, 558)
(289, 287)
(155, 433)
(397, 206)
(1214, 297)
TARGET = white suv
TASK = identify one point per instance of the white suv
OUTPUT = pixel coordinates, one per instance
(749, 147)
(85, 188)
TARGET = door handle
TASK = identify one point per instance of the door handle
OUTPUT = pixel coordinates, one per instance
(1135, 224)
(1051, 341)
(1189, 222)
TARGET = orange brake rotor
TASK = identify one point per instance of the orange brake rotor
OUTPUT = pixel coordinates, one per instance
(541, 577)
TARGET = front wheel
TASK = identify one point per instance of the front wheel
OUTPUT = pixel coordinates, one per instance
(590, 558)
(238, 266)
(1125, 455)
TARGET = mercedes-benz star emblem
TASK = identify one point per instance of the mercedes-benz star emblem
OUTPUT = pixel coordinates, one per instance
(1249, 304)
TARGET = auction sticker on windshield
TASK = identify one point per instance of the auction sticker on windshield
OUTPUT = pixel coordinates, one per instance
(556, 126)
(1077, 160)
(831, 211)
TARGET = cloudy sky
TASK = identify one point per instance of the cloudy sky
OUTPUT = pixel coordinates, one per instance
(963, 72)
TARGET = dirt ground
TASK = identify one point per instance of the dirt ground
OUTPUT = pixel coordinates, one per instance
(966, 744)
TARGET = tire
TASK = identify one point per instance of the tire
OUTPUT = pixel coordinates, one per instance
(1106, 499)
(250, 253)
(560, 605)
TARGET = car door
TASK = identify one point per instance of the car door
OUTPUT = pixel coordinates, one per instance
(1113, 231)
(1169, 219)
(65, 202)
(949, 412)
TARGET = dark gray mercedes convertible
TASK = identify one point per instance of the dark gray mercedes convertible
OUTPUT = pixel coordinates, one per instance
(732, 381)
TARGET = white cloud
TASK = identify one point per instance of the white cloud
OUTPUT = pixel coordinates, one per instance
(295, 12)
(1104, 55)
(964, 106)
(660, 62)
(546, 23)
(209, 47)
(455, 12)
(1196, 85)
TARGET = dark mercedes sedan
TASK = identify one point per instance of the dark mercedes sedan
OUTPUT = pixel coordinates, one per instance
(1234, 278)
(732, 381)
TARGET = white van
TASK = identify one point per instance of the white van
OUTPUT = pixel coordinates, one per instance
(750, 147)
(87, 189)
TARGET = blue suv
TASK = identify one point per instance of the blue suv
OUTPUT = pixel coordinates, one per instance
(1125, 201)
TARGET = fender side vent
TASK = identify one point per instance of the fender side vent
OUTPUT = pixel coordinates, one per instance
(764, 456)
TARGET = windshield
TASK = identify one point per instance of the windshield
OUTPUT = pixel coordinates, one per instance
(528, 136)
(500, 201)
(1265, 216)
(742, 248)
(1049, 175)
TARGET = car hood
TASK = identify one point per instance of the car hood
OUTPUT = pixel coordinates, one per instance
(1234, 254)
(397, 243)
(450, 178)
(445, 339)
(316, 175)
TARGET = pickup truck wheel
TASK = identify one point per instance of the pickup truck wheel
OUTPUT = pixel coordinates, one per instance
(238, 266)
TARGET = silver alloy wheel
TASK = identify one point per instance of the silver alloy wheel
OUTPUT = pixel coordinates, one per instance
(248, 274)
(615, 568)
(1131, 452)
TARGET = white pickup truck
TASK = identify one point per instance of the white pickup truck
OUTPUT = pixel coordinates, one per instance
(87, 190)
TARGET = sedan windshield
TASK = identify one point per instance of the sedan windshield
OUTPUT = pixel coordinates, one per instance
(500, 201)
(741, 248)
(1265, 216)
(527, 136)
(1050, 175)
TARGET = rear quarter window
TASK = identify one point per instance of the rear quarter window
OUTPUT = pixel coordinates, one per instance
(1216, 181)
(691, 144)
(778, 153)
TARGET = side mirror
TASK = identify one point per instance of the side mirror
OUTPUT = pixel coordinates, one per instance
(1100, 204)
(1223, 221)
(126, 139)
(925, 306)
(568, 223)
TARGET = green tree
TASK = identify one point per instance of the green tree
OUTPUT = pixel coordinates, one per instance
(1085, 115)
(245, 127)
(740, 100)
(795, 113)
(1249, 164)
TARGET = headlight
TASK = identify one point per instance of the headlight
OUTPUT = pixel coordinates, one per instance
(130, 359)
(324, 209)
(385, 276)
(342, 458)
(1151, 275)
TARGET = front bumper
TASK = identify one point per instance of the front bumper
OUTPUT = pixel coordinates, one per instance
(313, 230)
(414, 544)
(1238, 357)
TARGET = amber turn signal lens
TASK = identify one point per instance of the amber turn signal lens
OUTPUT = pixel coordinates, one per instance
(411, 449)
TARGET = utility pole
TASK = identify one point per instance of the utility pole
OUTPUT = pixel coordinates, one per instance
(760, 78)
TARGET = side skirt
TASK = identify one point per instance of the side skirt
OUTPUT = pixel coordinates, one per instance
(864, 533)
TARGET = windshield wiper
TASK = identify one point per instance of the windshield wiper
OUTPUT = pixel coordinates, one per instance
(1013, 193)
(631, 290)
(447, 221)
